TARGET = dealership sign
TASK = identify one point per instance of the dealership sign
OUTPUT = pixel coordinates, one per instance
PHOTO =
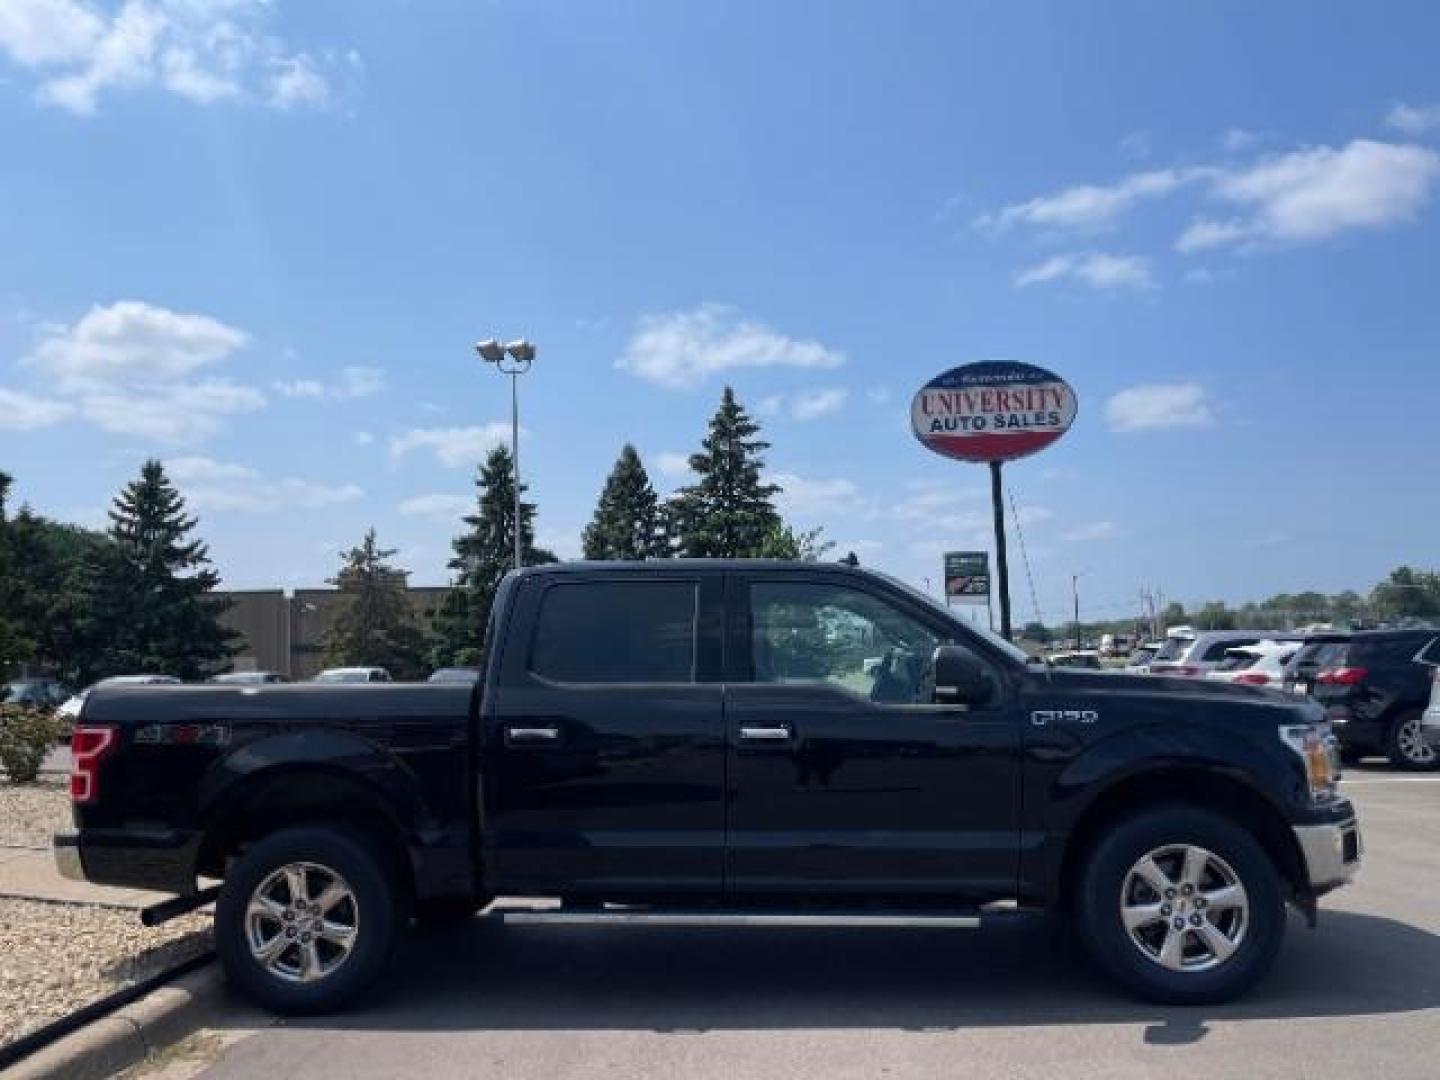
(967, 577)
(992, 411)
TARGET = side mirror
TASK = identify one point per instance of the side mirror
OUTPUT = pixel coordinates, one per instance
(960, 677)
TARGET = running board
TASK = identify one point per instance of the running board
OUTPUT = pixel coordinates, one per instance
(644, 917)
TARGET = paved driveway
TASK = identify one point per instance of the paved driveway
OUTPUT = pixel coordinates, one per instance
(1359, 997)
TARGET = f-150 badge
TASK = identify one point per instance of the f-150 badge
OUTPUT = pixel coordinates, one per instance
(1041, 717)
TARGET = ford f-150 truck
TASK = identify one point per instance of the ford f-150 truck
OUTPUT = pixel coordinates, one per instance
(719, 742)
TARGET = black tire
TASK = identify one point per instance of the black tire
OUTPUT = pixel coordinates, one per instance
(1109, 943)
(445, 911)
(375, 910)
(1411, 754)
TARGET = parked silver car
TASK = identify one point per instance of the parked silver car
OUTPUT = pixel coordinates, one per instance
(1192, 657)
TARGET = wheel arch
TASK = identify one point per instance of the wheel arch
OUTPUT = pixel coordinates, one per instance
(283, 796)
(1190, 785)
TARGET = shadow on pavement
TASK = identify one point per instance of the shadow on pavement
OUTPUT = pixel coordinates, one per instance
(483, 976)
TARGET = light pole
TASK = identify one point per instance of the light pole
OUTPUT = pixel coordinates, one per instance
(1075, 596)
(514, 360)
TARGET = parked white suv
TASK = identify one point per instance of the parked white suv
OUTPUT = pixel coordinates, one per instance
(1261, 664)
(1430, 721)
(1193, 657)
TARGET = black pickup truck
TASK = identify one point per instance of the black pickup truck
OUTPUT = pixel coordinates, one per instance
(719, 742)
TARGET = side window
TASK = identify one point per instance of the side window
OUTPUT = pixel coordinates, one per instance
(806, 632)
(616, 632)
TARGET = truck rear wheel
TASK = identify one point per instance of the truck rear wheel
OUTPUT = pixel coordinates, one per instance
(1181, 906)
(307, 919)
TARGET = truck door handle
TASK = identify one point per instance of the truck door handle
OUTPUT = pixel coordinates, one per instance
(531, 733)
(765, 732)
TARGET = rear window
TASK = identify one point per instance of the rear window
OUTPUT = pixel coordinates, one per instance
(616, 632)
(1237, 661)
(1218, 650)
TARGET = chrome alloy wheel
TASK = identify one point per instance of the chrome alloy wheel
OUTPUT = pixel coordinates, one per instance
(301, 922)
(1184, 908)
(1411, 741)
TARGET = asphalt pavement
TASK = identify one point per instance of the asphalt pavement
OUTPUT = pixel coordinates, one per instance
(1358, 997)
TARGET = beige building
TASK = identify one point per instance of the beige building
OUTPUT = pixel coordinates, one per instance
(286, 634)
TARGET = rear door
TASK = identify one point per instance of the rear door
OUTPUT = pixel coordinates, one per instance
(603, 754)
(843, 775)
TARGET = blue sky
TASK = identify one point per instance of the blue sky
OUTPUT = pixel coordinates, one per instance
(257, 240)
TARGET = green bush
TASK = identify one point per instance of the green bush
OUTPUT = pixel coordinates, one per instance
(26, 736)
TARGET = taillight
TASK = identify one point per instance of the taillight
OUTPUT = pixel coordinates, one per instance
(88, 745)
(1342, 676)
(1184, 671)
(1252, 678)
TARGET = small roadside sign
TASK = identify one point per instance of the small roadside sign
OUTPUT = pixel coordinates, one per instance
(967, 577)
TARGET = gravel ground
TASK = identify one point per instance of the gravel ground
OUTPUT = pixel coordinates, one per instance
(54, 958)
(30, 813)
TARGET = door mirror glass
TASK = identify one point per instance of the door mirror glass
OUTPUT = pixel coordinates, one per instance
(960, 677)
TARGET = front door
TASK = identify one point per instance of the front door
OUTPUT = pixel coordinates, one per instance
(604, 758)
(844, 776)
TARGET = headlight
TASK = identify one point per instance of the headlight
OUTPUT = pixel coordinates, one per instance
(1314, 745)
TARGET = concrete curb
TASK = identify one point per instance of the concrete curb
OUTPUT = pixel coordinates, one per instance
(128, 1035)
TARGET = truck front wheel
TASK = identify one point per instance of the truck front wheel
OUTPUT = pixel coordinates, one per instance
(1181, 906)
(307, 919)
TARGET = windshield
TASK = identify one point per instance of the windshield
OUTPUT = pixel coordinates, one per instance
(1010, 649)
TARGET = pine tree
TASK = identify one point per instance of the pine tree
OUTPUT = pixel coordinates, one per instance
(375, 625)
(727, 513)
(15, 646)
(150, 603)
(484, 554)
(628, 522)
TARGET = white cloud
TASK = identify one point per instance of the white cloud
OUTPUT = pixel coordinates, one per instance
(685, 348)
(204, 51)
(178, 413)
(36, 32)
(24, 412)
(1090, 206)
(1414, 119)
(437, 505)
(354, 382)
(816, 497)
(213, 485)
(132, 368)
(1097, 269)
(1094, 530)
(295, 82)
(132, 339)
(1206, 233)
(879, 395)
(813, 404)
(454, 446)
(673, 464)
(1157, 406)
(300, 388)
(1315, 193)
(362, 438)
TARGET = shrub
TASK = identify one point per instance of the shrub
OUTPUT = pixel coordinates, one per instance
(26, 736)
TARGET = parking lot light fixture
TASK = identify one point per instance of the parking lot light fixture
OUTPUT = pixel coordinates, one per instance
(513, 359)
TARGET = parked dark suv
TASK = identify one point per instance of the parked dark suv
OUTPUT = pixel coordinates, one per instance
(1374, 687)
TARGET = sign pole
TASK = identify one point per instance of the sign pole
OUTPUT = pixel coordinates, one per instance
(1002, 566)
